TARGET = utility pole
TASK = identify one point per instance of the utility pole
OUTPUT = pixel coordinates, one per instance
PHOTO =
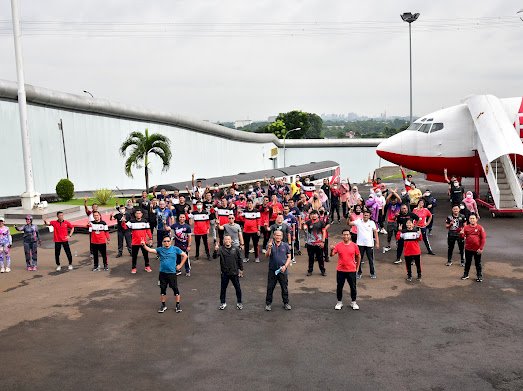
(61, 127)
(30, 197)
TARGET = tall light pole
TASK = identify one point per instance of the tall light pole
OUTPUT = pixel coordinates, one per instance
(409, 18)
(87, 92)
(30, 196)
(284, 148)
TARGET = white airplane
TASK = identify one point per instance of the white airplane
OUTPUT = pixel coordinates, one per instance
(479, 138)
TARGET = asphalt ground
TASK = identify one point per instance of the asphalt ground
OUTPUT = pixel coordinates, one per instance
(95, 331)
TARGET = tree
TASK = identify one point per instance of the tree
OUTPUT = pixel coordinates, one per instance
(141, 146)
(277, 128)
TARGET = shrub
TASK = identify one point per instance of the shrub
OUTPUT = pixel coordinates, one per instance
(102, 196)
(65, 189)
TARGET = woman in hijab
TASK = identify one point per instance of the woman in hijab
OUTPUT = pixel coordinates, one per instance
(373, 207)
(470, 203)
(325, 202)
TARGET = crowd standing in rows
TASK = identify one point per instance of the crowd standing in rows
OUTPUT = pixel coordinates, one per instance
(278, 215)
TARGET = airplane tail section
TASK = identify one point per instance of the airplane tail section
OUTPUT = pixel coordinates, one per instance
(497, 143)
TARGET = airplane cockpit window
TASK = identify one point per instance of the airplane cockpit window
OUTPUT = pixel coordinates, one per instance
(437, 126)
(425, 128)
(414, 126)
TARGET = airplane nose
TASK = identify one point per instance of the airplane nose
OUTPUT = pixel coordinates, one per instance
(389, 148)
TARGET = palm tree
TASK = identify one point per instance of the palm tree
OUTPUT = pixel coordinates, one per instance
(141, 146)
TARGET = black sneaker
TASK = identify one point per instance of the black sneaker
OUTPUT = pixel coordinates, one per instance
(418, 278)
(178, 272)
(432, 252)
(479, 279)
(465, 277)
(119, 255)
(162, 309)
(449, 263)
(327, 260)
(462, 263)
(287, 307)
(178, 309)
(409, 279)
(298, 252)
(324, 274)
(106, 268)
(96, 269)
(309, 274)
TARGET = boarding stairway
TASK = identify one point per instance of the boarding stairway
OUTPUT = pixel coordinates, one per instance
(498, 144)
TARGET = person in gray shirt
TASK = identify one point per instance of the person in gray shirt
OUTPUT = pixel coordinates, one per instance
(31, 239)
(234, 231)
(279, 225)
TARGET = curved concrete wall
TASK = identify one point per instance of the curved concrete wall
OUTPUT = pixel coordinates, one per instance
(95, 128)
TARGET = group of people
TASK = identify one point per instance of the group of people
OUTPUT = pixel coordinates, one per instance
(276, 214)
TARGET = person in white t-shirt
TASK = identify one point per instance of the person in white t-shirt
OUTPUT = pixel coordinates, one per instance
(367, 239)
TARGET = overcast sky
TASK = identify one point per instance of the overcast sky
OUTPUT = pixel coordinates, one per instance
(236, 59)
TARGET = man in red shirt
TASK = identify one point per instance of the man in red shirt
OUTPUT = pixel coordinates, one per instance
(99, 234)
(201, 228)
(348, 263)
(265, 216)
(140, 231)
(61, 237)
(475, 240)
(251, 230)
(223, 212)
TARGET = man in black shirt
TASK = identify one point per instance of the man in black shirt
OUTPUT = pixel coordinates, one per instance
(182, 207)
(454, 224)
(231, 267)
(401, 220)
(122, 216)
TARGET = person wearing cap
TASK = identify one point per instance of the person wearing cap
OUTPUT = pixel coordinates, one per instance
(123, 215)
(31, 239)
(62, 231)
(6, 241)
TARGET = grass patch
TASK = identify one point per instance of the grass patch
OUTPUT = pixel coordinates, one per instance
(80, 201)
(13, 231)
(399, 176)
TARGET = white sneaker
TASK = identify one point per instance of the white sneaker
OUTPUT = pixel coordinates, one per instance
(354, 306)
(70, 267)
(293, 260)
(257, 260)
(58, 268)
(338, 306)
(7, 269)
(245, 260)
(2, 270)
(264, 251)
(251, 251)
(384, 231)
(385, 249)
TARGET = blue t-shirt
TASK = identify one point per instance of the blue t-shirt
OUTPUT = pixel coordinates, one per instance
(162, 218)
(168, 258)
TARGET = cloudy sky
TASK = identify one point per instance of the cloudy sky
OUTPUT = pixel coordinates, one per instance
(249, 59)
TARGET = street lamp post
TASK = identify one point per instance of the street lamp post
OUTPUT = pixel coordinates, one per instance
(284, 147)
(87, 92)
(409, 18)
(30, 197)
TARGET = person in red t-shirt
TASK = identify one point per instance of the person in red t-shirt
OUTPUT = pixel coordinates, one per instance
(425, 217)
(61, 236)
(251, 230)
(99, 234)
(201, 228)
(475, 240)
(348, 263)
(411, 237)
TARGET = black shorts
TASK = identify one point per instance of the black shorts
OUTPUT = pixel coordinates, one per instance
(168, 279)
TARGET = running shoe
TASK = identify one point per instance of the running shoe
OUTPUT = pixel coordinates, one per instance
(29, 269)
(338, 306)
(354, 306)
(465, 277)
(398, 261)
(373, 276)
(287, 307)
(432, 252)
(462, 264)
(385, 249)
(58, 268)
(162, 309)
(106, 268)
(449, 263)
(178, 272)
(257, 260)
(35, 268)
(222, 306)
(308, 274)
(358, 276)
(409, 279)
(96, 269)
(148, 269)
(70, 267)
(118, 255)
(239, 306)
(133, 270)
(479, 279)
(324, 274)
(188, 274)
(384, 231)
(418, 278)
(178, 308)
(251, 251)
(7, 269)
(264, 251)
(268, 307)
(245, 260)
(293, 260)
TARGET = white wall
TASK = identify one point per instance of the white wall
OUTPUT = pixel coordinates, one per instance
(355, 162)
(92, 143)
